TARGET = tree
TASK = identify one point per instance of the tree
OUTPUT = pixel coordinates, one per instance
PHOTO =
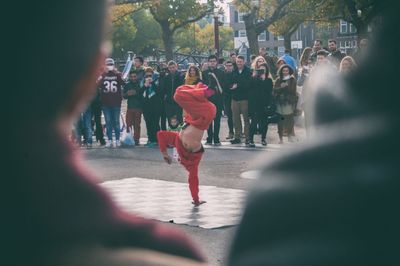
(360, 13)
(122, 10)
(123, 30)
(147, 38)
(172, 15)
(259, 15)
(206, 38)
(187, 39)
(297, 12)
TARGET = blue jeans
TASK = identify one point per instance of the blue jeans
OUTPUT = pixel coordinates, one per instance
(111, 115)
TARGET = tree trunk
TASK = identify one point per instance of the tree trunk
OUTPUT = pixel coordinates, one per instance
(168, 40)
(287, 37)
(287, 41)
(362, 31)
(252, 35)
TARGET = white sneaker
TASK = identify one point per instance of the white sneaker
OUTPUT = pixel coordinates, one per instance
(108, 144)
(118, 143)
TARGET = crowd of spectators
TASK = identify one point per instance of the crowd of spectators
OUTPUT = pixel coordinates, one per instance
(255, 94)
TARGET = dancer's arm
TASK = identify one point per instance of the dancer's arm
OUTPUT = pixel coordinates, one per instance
(166, 138)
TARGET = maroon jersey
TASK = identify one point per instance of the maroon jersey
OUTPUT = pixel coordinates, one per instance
(110, 85)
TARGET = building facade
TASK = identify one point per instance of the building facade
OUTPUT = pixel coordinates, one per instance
(343, 32)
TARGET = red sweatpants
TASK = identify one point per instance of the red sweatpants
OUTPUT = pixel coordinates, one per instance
(199, 111)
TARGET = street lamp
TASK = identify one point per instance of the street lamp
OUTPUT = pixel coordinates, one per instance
(217, 23)
(194, 36)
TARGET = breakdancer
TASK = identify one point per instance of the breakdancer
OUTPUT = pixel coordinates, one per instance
(199, 114)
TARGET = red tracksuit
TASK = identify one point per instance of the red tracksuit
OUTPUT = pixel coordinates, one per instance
(199, 113)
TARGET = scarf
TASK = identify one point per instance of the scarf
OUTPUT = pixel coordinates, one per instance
(190, 80)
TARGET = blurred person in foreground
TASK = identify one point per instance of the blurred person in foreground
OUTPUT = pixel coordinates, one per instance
(56, 213)
(334, 201)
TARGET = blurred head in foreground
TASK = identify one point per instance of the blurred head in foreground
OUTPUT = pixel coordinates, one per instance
(333, 201)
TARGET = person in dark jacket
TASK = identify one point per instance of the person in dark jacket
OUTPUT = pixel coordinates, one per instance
(133, 93)
(214, 79)
(285, 97)
(172, 80)
(151, 105)
(55, 212)
(335, 200)
(95, 107)
(335, 55)
(227, 96)
(260, 98)
(240, 96)
(162, 69)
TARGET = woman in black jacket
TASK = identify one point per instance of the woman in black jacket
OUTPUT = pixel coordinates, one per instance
(260, 97)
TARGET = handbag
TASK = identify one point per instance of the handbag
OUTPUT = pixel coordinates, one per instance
(271, 114)
(127, 138)
(296, 107)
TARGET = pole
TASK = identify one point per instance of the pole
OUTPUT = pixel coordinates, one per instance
(194, 36)
(216, 35)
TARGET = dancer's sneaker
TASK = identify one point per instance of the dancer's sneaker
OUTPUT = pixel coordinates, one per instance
(217, 143)
(198, 203)
(118, 143)
(252, 145)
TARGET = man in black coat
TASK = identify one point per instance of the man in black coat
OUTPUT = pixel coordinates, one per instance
(172, 80)
(214, 79)
(227, 95)
(335, 55)
(240, 99)
(335, 201)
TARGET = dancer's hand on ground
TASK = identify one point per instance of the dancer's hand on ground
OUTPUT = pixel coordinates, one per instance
(167, 159)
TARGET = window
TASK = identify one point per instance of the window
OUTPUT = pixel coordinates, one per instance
(352, 29)
(242, 33)
(354, 44)
(241, 18)
(280, 38)
(262, 36)
(343, 26)
(236, 34)
(236, 17)
(267, 35)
